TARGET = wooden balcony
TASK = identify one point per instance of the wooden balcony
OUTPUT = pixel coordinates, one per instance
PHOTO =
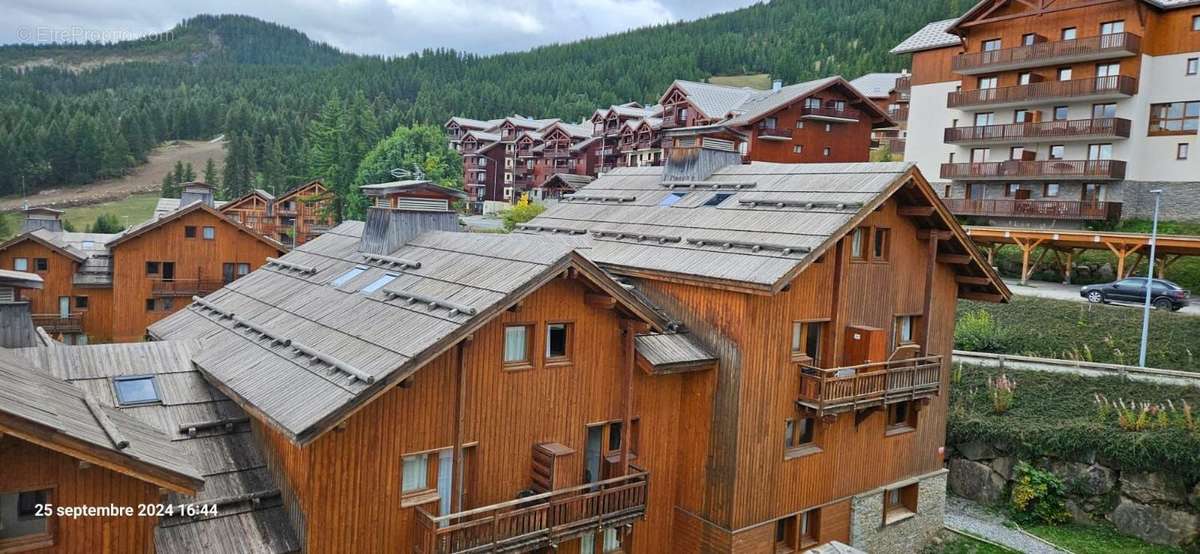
(57, 323)
(899, 115)
(1094, 88)
(844, 115)
(647, 144)
(831, 391)
(538, 521)
(1049, 53)
(894, 145)
(774, 133)
(185, 287)
(1074, 129)
(564, 153)
(904, 84)
(1035, 209)
(1105, 170)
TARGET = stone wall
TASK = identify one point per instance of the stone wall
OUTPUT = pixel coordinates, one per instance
(1180, 201)
(1157, 507)
(868, 533)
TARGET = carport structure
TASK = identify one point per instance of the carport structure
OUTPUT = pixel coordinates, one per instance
(1066, 244)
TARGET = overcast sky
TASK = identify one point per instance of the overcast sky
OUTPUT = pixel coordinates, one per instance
(386, 27)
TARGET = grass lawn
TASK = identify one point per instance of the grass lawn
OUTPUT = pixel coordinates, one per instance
(960, 544)
(131, 210)
(756, 80)
(1092, 332)
(1097, 539)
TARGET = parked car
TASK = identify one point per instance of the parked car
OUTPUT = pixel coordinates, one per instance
(1163, 294)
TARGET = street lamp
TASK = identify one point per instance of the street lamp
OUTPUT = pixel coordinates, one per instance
(1149, 279)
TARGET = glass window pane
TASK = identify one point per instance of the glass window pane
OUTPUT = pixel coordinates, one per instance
(797, 335)
(347, 276)
(556, 340)
(515, 341)
(416, 473)
(379, 283)
(136, 390)
(812, 345)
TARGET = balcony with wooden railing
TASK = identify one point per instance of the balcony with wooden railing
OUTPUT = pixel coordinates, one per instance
(1039, 54)
(1039, 169)
(831, 391)
(59, 323)
(535, 522)
(894, 145)
(774, 133)
(1093, 88)
(1073, 210)
(1073, 129)
(185, 287)
(899, 115)
(830, 113)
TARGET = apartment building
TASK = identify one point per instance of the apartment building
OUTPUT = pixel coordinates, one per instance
(110, 287)
(630, 135)
(1059, 114)
(891, 92)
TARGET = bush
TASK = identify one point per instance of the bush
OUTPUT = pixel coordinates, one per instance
(1038, 496)
(107, 223)
(977, 331)
(524, 211)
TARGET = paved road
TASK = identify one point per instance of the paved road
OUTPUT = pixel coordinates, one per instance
(1060, 291)
(968, 517)
(484, 222)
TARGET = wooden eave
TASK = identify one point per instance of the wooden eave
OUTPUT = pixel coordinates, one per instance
(236, 203)
(980, 13)
(158, 223)
(50, 438)
(50, 245)
(296, 191)
(672, 369)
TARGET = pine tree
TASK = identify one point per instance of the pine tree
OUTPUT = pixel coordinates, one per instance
(327, 153)
(210, 173)
(170, 188)
(189, 175)
(273, 173)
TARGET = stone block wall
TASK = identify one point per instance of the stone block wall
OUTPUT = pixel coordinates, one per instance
(1180, 201)
(868, 533)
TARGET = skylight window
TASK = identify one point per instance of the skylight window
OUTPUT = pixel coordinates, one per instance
(671, 199)
(347, 276)
(132, 391)
(718, 198)
(89, 245)
(379, 283)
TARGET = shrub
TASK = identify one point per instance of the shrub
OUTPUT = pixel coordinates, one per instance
(1002, 390)
(524, 211)
(1038, 496)
(977, 331)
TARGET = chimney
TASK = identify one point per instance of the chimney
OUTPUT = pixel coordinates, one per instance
(776, 85)
(695, 154)
(196, 192)
(49, 219)
(387, 229)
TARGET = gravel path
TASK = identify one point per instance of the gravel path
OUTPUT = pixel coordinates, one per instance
(968, 517)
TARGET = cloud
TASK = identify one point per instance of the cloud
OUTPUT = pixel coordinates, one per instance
(384, 27)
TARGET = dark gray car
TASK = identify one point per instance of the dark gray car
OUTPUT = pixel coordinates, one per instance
(1164, 295)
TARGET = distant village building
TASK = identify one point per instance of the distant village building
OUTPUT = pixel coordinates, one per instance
(891, 92)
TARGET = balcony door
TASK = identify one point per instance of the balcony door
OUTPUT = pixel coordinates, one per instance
(1112, 34)
(1098, 152)
(64, 307)
(168, 271)
(1092, 193)
(1106, 75)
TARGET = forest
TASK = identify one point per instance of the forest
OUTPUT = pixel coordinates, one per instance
(280, 98)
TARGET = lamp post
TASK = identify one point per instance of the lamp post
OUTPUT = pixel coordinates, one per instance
(1149, 279)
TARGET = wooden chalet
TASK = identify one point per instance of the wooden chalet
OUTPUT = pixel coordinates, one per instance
(413, 194)
(623, 141)
(109, 287)
(294, 218)
(891, 92)
(61, 447)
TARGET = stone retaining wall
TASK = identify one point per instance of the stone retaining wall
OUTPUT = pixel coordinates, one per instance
(1180, 201)
(1160, 508)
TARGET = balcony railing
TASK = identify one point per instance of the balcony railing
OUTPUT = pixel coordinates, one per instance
(850, 388)
(1042, 169)
(904, 84)
(538, 521)
(1109, 127)
(894, 145)
(899, 115)
(774, 133)
(564, 153)
(186, 287)
(646, 144)
(58, 323)
(830, 113)
(1095, 87)
(1047, 53)
(1037, 209)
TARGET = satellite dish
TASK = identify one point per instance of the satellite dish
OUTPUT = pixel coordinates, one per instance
(416, 174)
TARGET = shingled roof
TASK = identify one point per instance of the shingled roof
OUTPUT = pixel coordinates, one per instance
(752, 227)
(303, 354)
(54, 414)
(250, 516)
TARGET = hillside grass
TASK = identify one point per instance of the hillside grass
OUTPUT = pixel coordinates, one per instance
(1069, 330)
(760, 81)
(1101, 538)
(1055, 414)
(130, 211)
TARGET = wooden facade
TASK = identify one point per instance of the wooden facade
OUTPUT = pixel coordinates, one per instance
(295, 217)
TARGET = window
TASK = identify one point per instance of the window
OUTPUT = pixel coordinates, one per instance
(899, 504)
(1012, 189)
(210, 233)
(41, 264)
(800, 124)
(1090, 192)
(718, 198)
(1181, 151)
(881, 244)
(1174, 118)
(905, 329)
(986, 83)
(984, 118)
(1112, 27)
(769, 123)
(799, 432)
(990, 45)
(1068, 33)
(1064, 74)
(946, 191)
(798, 149)
(379, 283)
(21, 528)
(1028, 39)
(558, 342)
(243, 269)
(149, 304)
(1193, 64)
(416, 474)
(828, 127)
(901, 417)
(671, 199)
(806, 340)
(812, 103)
(1020, 116)
(858, 249)
(347, 276)
(1060, 113)
(1099, 152)
(1104, 111)
(189, 231)
(1024, 78)
(826, 152)
(1016, 153)
(81, 302)
(980, 155)
(797, 532)
(131, 391)
(516, 345)
(1196, 22)
(151, 268)
(88, 245)
(21, 264)
(1050, 190)
(1057, 151)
